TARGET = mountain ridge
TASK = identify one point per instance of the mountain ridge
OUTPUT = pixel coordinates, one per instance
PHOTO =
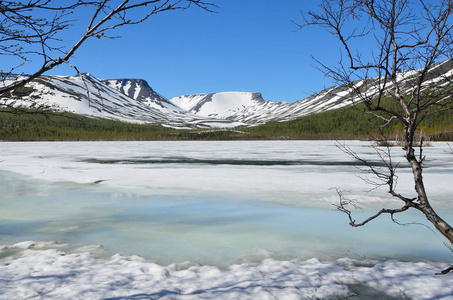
(87, 95)
(134, 100)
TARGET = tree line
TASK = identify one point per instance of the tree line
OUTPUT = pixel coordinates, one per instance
(340, 124)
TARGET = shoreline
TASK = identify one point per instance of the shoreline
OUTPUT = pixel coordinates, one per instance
(53, 274)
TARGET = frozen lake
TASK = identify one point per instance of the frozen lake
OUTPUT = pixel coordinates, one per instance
(222, 204)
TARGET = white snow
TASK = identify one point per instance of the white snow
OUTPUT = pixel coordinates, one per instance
(218, 105)
(188, 102)
(52, 274)
(226, 103)
(243, 107)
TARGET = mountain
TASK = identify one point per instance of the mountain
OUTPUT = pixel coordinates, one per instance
(218, 105)
(140, 90)
(251, 109)
(133, 100)
(128, 100)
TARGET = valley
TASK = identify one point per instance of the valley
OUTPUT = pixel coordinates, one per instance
(84, 107)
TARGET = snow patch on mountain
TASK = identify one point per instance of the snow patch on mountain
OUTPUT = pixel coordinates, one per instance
(218, 105)
(139, 89)
(133, 100)
(250, 108)
(124, 100)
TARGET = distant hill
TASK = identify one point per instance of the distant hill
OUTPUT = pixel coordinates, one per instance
(351, 123)
(326, 114)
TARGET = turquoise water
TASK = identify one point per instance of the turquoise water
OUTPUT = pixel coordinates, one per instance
(208, 213)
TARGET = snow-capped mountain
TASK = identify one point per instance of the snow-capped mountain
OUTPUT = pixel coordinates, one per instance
(133, 100)
(218, 105)
(140, 90)
(250, 108)
(128, 100)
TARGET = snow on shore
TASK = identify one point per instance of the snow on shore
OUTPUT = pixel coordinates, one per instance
(36, 272)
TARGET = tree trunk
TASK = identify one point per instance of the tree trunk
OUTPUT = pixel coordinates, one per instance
(425, 207)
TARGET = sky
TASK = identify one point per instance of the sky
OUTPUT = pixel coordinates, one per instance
(245, 46)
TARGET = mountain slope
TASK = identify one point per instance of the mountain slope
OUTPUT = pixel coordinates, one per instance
(133, 100)
(87, 95)
(139, 89)
(251, 109)
(219, 105)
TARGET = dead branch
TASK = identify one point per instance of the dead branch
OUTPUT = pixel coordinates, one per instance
(394, 81)
(446, 271)
(21, 29)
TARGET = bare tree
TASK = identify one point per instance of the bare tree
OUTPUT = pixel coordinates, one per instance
(33, 31)
(396, 58)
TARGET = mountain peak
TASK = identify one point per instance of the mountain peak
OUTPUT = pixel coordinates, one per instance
(140, 90)
(133, 100)
(218, 105)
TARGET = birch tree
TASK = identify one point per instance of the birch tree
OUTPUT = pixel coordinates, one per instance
(396, 57)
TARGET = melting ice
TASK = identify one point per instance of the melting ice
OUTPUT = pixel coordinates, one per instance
(234, 216)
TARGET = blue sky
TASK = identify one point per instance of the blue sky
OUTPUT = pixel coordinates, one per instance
(246, 46)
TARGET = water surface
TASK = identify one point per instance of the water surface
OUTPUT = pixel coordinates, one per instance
(211, 202)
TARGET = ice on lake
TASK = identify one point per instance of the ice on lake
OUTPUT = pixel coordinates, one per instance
(215, 210)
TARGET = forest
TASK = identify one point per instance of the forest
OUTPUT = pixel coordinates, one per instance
(343, 123)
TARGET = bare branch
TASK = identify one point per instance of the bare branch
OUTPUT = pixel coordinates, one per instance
(403, 80)
(343, 207)
(23, 35)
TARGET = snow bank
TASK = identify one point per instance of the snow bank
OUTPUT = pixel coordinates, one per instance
(34, 272)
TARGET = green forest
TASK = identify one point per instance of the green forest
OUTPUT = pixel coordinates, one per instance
(353, 123)
(343, 123)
